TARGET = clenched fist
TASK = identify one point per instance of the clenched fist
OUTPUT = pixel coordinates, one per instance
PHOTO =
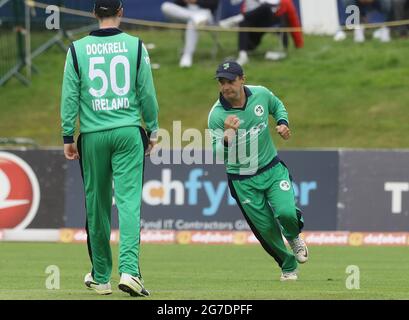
(231, 124)
(283, 131)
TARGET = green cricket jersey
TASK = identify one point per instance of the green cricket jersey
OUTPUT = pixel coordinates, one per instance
(253, 148)
(108, 83)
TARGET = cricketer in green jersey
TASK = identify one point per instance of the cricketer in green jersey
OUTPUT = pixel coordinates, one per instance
(108, 84)
(258, 180)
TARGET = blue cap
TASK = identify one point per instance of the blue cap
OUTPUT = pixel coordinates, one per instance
(107, 8)
(229, 70)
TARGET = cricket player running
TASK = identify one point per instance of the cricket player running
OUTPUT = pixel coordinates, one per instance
(108, 84)
(258, 180)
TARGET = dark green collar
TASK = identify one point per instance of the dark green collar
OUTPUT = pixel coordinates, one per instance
(226, 104)
(105, 32)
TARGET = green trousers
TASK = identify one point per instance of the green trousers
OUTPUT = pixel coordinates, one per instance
(267, 202)
(113, 156)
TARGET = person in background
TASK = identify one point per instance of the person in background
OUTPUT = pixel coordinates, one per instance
(194, 13)
(365, 7)
(263, 14)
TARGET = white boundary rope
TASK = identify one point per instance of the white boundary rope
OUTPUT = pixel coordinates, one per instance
(179, 26)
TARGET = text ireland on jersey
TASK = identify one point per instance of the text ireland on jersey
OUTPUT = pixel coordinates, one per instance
(108, 105)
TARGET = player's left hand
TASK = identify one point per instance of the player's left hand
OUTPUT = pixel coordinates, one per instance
(283, 131)
(71, 152)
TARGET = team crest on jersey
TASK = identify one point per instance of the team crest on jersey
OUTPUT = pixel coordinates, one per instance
(285, 185)
(147, 60)
(259, 110)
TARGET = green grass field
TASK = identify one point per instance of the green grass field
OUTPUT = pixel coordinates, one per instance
(208, 272)
(337, 94)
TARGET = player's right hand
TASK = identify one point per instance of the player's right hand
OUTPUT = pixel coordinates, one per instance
(232, 122)
(71, 152)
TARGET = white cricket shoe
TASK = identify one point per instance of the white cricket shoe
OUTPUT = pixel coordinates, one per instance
(383, 34)
(103, 289)
(300, 249)
(243, 58)
(359, 34)
(132, 285)
(289, 276)
(186, 61)
(275, 55)
(340, 35)
(377, 33)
